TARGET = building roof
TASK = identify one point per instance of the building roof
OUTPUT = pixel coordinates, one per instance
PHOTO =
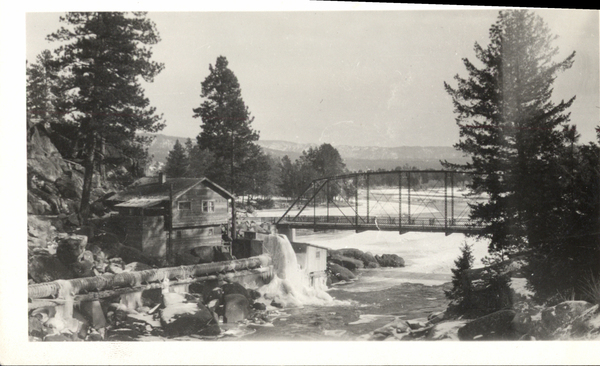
(147, 191)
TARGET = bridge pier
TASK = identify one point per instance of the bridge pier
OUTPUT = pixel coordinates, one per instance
(289, 232)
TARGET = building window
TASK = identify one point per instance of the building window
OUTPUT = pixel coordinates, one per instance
(211, 231)
(184, 205)
(179, 235)
(208, 206)
(318, 255)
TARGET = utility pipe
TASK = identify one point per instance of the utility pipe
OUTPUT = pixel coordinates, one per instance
(132, 279)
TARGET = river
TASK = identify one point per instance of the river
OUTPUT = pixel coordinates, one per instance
(378, 296)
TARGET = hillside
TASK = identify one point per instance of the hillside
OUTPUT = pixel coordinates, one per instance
(355, 157)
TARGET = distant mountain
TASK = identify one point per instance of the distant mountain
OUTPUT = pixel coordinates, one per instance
(373, 157)
(355, 157)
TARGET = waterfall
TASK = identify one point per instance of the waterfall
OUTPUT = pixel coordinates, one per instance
(288, 286)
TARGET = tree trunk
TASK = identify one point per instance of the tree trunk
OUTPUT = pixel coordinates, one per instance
(88, 164)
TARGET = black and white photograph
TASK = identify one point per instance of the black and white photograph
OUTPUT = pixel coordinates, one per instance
(305, 185)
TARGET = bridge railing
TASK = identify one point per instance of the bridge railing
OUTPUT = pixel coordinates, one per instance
(379, 221)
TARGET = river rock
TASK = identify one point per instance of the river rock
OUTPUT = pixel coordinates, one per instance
(237, 308)
(559, 316)
(204, 254)
(36, 327)
(235, 288)
(347, 262)
(340, 273)
(84, 267)
(366, 258)
(47, 268)
(390, 260)
(494, 326)
(180, 318)
(71, 248)
(93, 310)
(446, 330)
(109, 244)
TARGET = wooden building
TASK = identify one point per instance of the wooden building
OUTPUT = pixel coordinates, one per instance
(166, 216)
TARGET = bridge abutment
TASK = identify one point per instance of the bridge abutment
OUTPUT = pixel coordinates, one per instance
(289, 232)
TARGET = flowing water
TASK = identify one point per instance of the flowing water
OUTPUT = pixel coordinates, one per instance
(350, 311)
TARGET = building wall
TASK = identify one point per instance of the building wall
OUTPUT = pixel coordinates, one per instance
(133, 226)
(183, 240)
(316, 259)
(190, 209)
(154, 236)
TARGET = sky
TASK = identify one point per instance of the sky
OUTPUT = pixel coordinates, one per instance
(360, 77)
(352, 77)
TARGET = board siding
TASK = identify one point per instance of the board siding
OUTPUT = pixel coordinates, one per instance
(195, 215)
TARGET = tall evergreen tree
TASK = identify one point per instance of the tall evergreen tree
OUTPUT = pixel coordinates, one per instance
(199, 160)
(177, 161)
(104, 55)
(226, 126)
(511, 129)
(43, 86)
(522, 152)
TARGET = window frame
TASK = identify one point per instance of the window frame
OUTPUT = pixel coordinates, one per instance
(208, 206)
(188, 203)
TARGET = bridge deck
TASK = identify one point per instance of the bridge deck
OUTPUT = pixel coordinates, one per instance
(381, 224)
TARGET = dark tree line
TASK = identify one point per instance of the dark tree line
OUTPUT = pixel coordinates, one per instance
(543, 187)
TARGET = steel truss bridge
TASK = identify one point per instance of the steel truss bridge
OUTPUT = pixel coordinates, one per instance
(398, 200)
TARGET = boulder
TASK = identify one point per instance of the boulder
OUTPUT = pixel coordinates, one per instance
(494, 326)
(181, 318)
(347, 262)
(69, 187)
(84, 267)
(205, 254)
(43, 159)
(446, 330)
(237, 308)
(390, 260)
(39, 232)
(36, 327)
(71, 248)
(235, 288)
(259, 306)
(366, 258)
(559, 316)
(93, 310)
(36, 205)
(435, 318)
(341, 273)
(47, 268)
(109, 243)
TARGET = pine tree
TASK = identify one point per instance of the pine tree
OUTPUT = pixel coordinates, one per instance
(462, 289)
(177, 162)
(42, 89)
(513, 131)
(525, 156)
(103, 56)
(226, 126)
(198, 160)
